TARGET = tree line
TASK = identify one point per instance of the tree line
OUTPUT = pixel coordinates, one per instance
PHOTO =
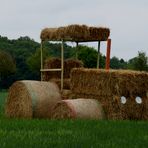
(20, 59)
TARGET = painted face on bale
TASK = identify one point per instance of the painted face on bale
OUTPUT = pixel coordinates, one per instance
(135, 108)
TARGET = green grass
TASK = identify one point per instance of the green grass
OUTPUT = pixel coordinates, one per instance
(3, 96)
(72, 133)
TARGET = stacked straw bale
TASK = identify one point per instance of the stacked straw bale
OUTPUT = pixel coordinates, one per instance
(52, 63)
(27, 99)
(78, 108)
(78, 33)
(55, 76)
(69, 64)
(109, 86)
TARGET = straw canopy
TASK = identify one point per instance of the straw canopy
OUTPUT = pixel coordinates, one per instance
(75, 33)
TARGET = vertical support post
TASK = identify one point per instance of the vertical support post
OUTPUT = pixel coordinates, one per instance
(98, 59)
(62, 64)
(108, 54)
(41, 60)
(77, 44)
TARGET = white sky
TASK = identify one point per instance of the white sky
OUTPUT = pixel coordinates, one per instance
(127, 19)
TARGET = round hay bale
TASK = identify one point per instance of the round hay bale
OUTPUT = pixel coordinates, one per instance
(27, 99)
(78, 108)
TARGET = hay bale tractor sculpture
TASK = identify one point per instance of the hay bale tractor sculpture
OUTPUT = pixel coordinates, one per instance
(102, 94)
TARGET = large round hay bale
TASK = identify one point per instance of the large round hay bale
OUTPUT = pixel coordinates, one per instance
(27, 99)
(78, 108)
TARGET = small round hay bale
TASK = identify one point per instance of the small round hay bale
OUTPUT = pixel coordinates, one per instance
(27, 99)
(78, 108)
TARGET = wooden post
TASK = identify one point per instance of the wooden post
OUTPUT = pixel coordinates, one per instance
(98, 59)
(108, 54)
(62, 64)
(41, 60)
(77, 44)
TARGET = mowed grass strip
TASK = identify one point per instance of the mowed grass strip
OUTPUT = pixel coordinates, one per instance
(72, 133)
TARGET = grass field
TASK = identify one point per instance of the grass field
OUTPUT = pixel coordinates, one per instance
(71, 133)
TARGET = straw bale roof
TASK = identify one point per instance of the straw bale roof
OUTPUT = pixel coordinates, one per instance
(75, 33)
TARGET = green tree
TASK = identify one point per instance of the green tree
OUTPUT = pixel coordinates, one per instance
(139, 63)
(116, 63)
(55, 50)
(34, 62)
(88, 56)
(7, 68)
(7, 64)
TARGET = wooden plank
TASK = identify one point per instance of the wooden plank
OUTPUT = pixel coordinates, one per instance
(98, 59)
(108, 54)
(41, 59)
(62, 64)
(77, 45)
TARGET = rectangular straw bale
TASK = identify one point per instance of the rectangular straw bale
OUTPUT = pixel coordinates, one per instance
(106, 83)
(52, 63)
(55, 63)
(109, 86)
(69, 64)
(77, 33)
(91, 82)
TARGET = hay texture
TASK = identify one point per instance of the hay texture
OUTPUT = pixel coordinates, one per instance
(78, 108)
(52, 63)
(55, 63)
(55, 76)
(28, 99)
(69, 64)
(77, 33)
(66, 83)
(109, 86)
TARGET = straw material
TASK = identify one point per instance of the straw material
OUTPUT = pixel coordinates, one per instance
(27, 99)
(55, 63)
(78, 108)
(66, 94)
(66, 83)
(109, 86)
(77, 33)
(52, 63)
(69, 64)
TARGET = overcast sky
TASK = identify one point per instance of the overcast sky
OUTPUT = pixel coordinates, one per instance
(127, 19)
